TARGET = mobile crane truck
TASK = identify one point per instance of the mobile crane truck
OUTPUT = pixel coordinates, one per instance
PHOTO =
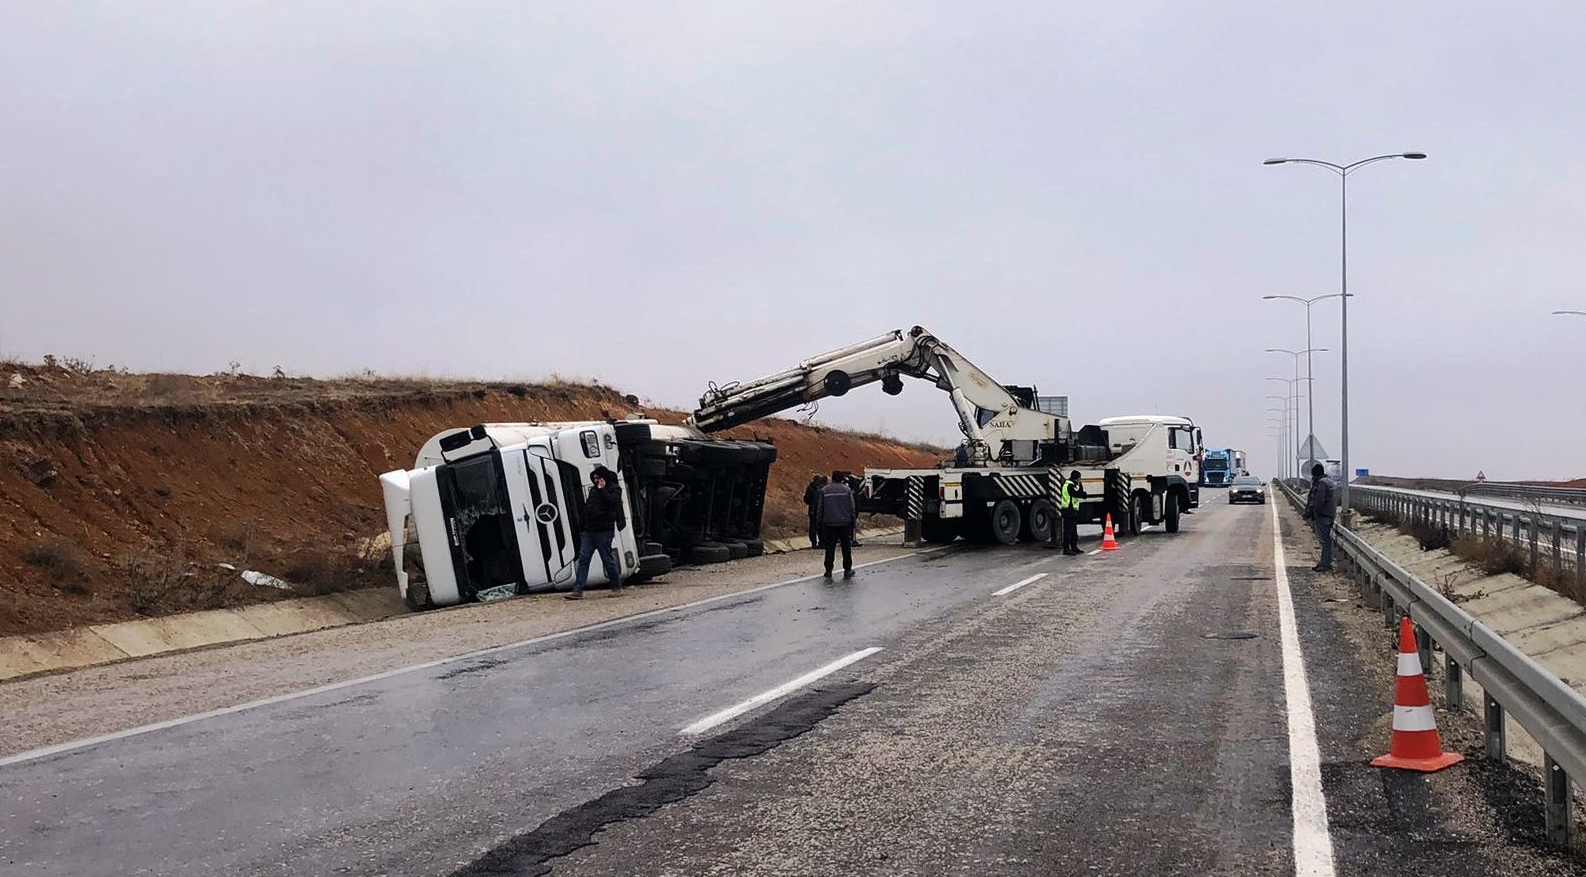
(1141, 470)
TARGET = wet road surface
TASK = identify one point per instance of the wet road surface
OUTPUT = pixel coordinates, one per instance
(1118, 714)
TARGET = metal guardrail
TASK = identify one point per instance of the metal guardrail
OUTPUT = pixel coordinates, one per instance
(1512, 683)
(1555, 538)
(1552, 495)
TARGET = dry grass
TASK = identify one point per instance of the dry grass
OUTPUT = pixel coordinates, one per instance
(62, 560)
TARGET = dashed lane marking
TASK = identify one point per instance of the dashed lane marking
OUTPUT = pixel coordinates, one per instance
(782, 690)
(1019, 584)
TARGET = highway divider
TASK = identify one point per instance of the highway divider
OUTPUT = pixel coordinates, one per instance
(1512, 683)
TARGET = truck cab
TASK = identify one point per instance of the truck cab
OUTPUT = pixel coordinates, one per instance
(499, 508)
(1161, 455)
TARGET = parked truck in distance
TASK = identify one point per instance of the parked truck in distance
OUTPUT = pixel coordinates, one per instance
(1140, 470)
(495, 509)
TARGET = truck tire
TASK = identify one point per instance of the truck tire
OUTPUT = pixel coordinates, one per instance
(736, 550)
(418, 595)
(652, 548)
(1170, 504)
(1139, 512)
(650, 566)
(1042, 518)
(1006, 521)
(939, 531)
(756, 547)
(709, 552)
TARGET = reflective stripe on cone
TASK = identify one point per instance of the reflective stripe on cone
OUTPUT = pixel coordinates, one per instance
(1415, 744)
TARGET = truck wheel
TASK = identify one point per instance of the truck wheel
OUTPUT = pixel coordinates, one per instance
(736, 550)
(939, 531)
(1137, 514)
(1042, 518)
(650, 566)
(1006, 521)
(709, 552)
(1171, 504)
(756, 547)
(418, 595)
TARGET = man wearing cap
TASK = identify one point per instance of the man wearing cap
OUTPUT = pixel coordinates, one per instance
(598, 525)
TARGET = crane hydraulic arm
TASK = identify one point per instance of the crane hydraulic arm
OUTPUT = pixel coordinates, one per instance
(988, 413)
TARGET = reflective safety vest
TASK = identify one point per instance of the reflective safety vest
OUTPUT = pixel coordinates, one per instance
(1066, 499)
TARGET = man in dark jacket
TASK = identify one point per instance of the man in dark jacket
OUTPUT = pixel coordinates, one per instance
(835, 516)
(598, 525)
(1320, 507)
(812, 501)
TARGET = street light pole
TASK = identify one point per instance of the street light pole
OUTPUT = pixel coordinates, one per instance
(1310, 381)
(1343, 171)
(1285, 427)
(1294, 391)
(1310, 391)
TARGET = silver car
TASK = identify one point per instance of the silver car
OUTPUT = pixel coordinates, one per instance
(1247, 488)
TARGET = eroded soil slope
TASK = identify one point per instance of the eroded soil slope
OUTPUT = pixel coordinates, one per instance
(123, 494)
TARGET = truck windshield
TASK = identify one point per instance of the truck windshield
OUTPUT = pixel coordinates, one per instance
(477, 494)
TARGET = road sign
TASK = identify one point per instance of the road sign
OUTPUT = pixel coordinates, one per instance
(1313, 450)
(1481, 476)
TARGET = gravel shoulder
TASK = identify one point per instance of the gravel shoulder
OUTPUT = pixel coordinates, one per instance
(48, 710)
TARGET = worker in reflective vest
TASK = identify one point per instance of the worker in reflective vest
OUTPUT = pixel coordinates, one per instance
(1072, 491)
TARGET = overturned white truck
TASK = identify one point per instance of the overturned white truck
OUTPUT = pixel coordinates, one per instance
(494, 509)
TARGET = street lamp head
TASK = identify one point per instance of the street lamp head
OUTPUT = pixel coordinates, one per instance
(1414, 155)
(1275, 161)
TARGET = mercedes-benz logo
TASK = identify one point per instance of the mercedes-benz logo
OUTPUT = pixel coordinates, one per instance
(546, 513)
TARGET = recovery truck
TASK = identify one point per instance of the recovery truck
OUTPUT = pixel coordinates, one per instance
(494, 509)
(1141, 470)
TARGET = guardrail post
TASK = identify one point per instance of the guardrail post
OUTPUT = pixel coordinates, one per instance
(1497, 739)
(1580, 553)
(1423, 644)
(1533, 542)
(1556, 784)
(1558, 540)
(1390, 617)
(1486, 523)
(1453, 682)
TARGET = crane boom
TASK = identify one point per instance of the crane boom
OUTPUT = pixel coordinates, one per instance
(994, 420)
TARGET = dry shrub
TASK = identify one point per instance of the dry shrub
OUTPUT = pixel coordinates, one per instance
(63, 561)
(326, 571)
(164, 584)
(1492, 556)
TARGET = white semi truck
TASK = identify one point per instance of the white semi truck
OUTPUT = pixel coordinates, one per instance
(495, 508)
(1141, 470)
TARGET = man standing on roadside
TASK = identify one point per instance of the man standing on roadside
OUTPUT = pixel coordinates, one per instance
(598, 525)
(1320, 507)
(812, 501)
(835, 515)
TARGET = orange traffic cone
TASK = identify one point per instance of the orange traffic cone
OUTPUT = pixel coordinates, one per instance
(1107, 542)
(1415, 745)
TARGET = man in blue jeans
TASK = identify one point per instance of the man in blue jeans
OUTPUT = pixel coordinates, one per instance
(1319, 509)
(598, 525)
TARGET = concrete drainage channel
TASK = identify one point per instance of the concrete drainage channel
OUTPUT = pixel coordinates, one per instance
(92, 645)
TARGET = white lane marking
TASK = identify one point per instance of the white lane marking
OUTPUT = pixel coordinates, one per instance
(1097, 551)
(1019, 584)
(766, 697)
(1313, 845)
(72, 745)
(1145, 527)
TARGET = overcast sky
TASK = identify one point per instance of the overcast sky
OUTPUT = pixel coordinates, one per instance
(661, 195)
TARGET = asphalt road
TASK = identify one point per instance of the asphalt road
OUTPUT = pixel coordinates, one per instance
(1121, 714)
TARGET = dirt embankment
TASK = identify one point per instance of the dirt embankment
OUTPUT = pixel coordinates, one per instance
(123, 494)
